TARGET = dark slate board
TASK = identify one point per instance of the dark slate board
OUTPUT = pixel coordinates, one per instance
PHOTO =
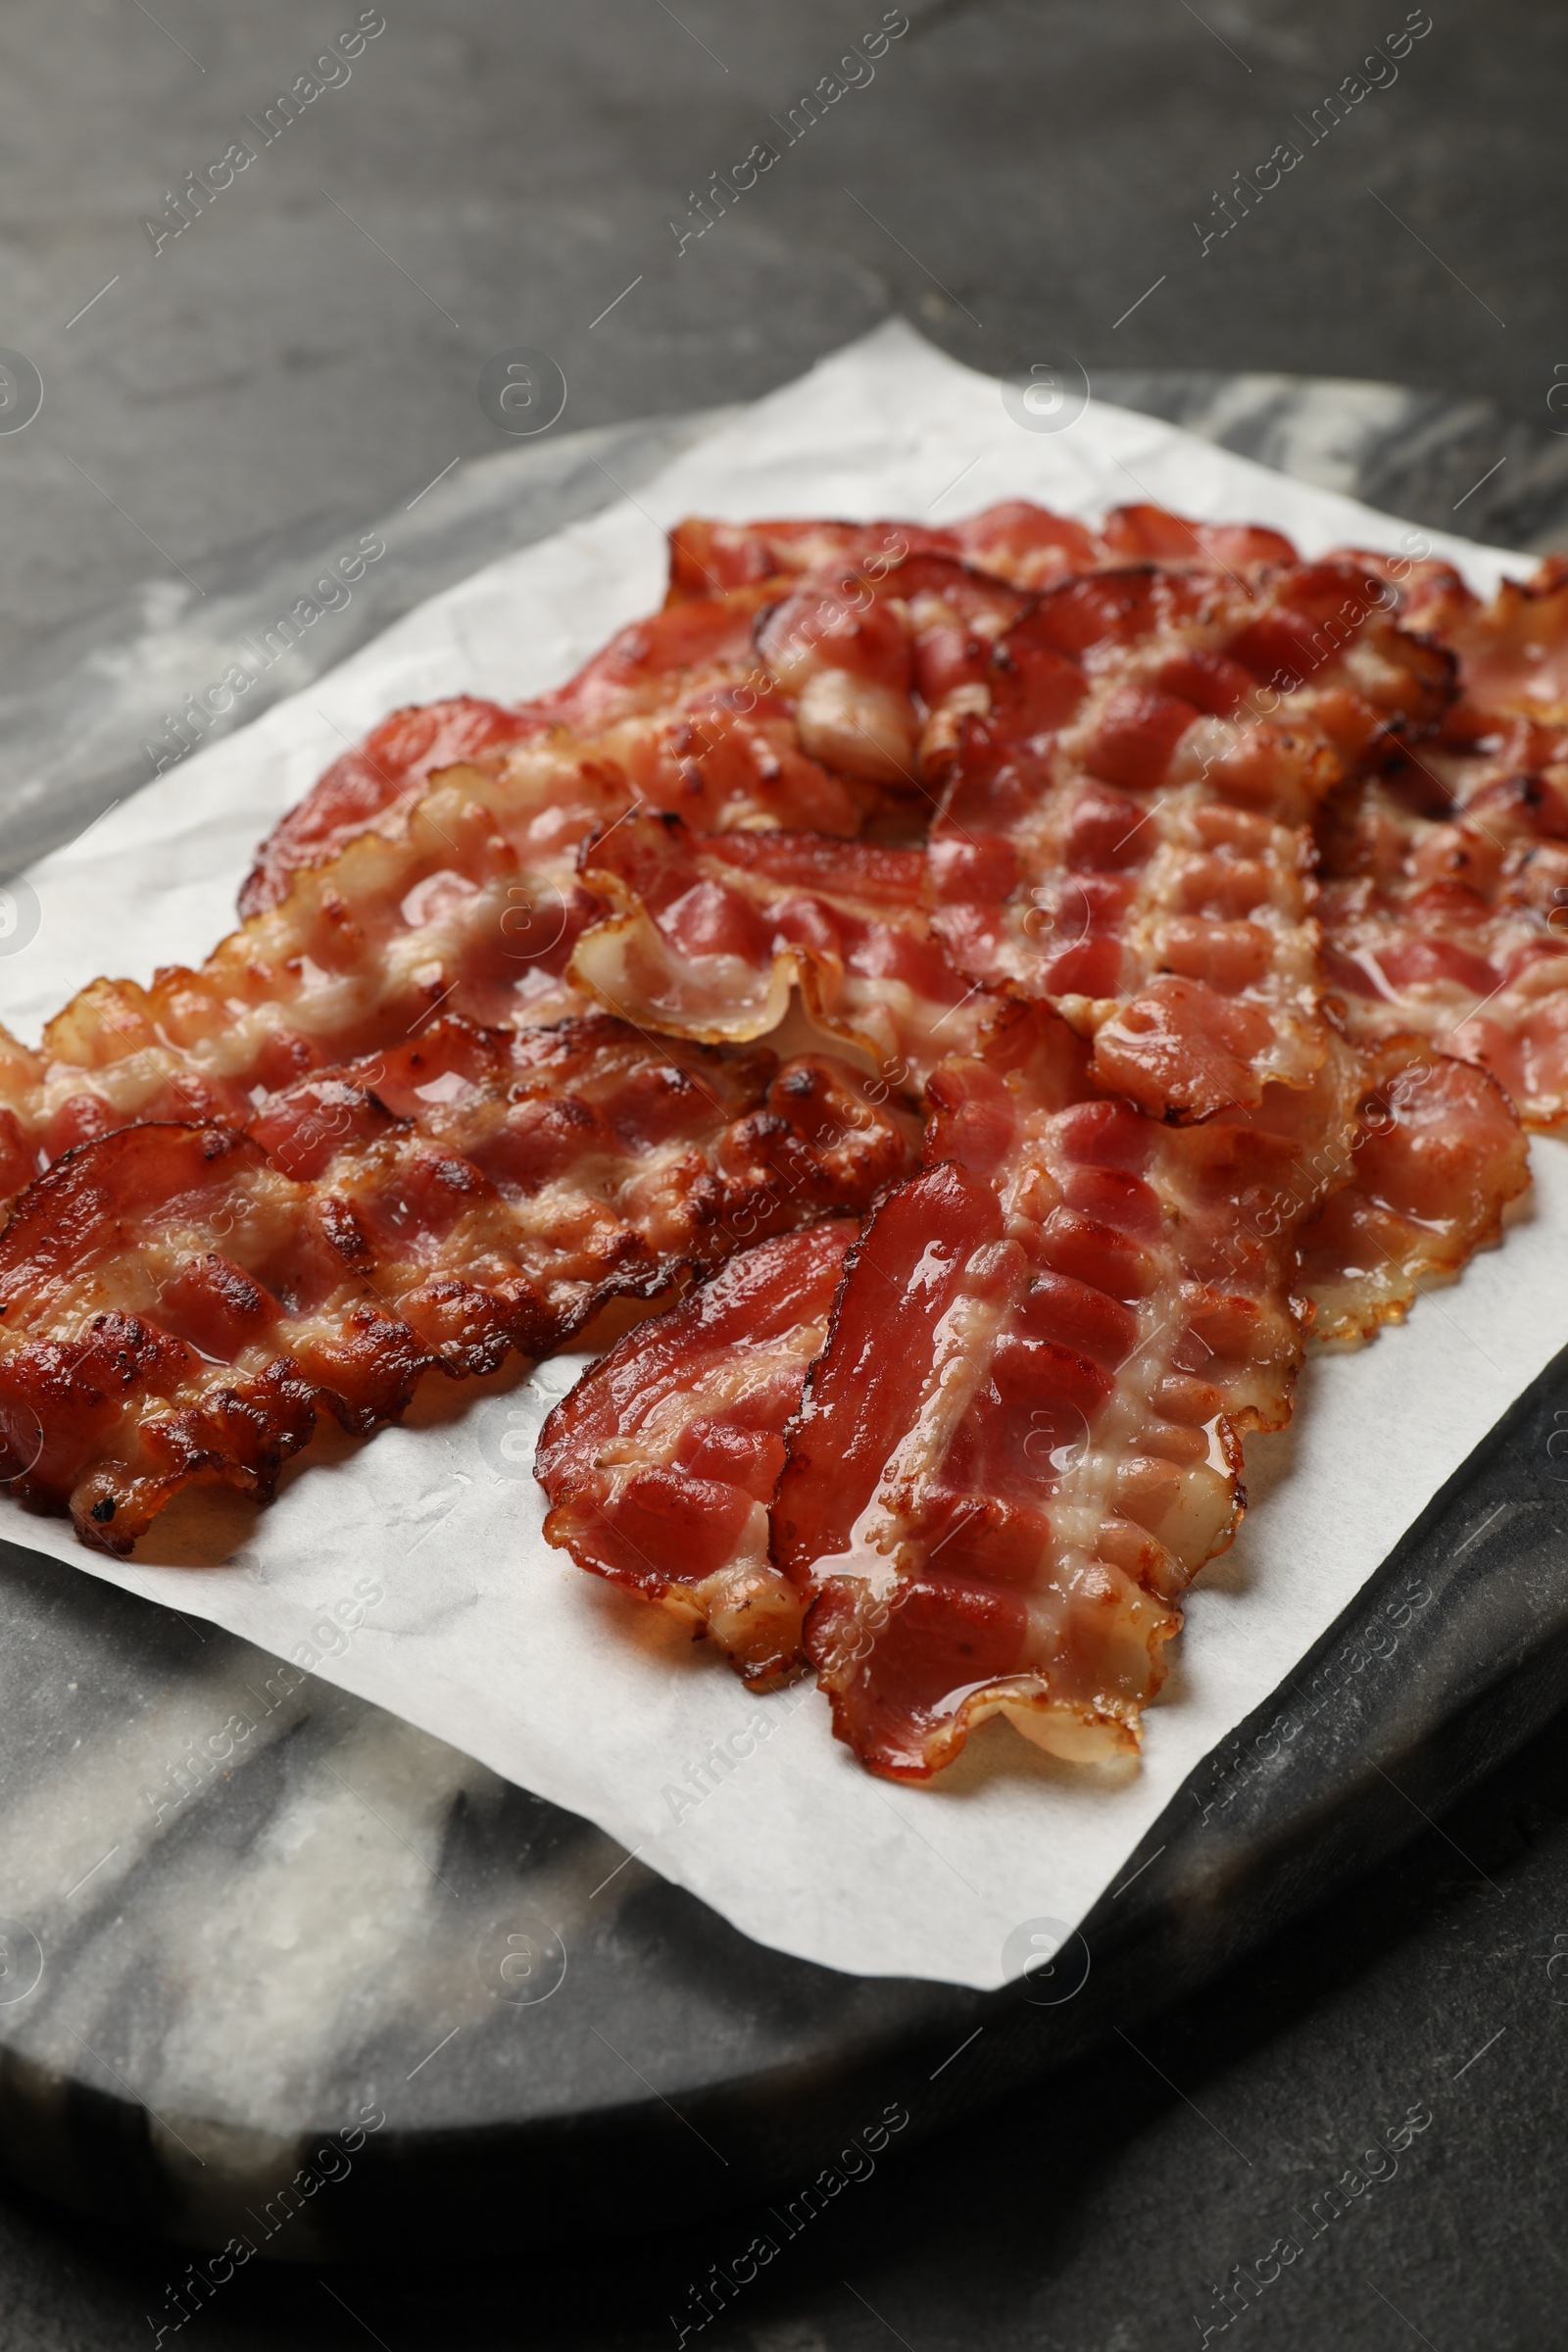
(291, 1971)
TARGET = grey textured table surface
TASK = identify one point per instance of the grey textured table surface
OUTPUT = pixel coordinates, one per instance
(277, 374)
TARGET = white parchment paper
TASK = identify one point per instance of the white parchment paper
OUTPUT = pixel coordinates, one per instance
(491, 1640)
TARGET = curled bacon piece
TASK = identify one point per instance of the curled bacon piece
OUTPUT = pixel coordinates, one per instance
(1123, 829)
(884, 659)
(176, 1301)
(710, 932)
(1439, 1156)
(1024, 1437)
(661, 1464)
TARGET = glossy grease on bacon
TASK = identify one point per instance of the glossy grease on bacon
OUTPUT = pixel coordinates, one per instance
(177, 1301)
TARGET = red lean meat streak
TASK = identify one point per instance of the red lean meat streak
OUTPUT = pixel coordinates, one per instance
(1010, 1433)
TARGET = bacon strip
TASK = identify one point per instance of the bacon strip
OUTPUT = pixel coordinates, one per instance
(1450, 922)
(1024, 1434)
(469, 904)
(1016, 541)
(1445, 901)
(661, 1464)
(664, 704)
(1513, 652)
(394, 763)
(1090, 793)
(1123, 831)
(1439, 1156)
(177, 1300)
(684, 704)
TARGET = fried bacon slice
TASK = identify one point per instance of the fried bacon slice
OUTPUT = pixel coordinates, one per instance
(178, 1301)
(1513, 650)
(1104, 842)
(1016, 541)
(661, 1464)
(1438, 1153)
(469, 904)
(1450, 919)
(1125, 828)
(1445, 898)
(883, 658)
(711, 931)
(1024, 1437)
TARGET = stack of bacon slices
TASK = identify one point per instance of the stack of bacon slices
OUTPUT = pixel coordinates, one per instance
(1008, 985)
